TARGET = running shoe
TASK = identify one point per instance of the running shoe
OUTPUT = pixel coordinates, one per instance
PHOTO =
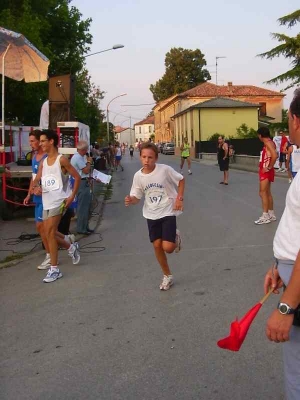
(262, 220)
(178, 241)
(46, 263)
(52, 275)
(290, 180)
(190, 172)
(167, 282)
(279, 170)
(74, 253)
(283, 170)
(272, 217)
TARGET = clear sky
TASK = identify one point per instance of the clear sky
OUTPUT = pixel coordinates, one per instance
(236, 29)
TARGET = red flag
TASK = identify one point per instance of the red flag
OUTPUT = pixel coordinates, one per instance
(238, 330)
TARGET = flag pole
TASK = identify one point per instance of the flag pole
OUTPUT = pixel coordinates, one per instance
(266, 296)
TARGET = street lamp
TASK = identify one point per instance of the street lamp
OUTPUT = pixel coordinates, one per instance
(107, 114)
(115, 47)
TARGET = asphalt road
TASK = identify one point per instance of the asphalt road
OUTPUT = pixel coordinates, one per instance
(105, 331)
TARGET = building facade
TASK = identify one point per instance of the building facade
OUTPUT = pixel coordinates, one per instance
(270, 104)
(144, 129)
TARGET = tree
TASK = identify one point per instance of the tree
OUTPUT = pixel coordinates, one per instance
(58, 31)
(184, 70)
(244, 132)
(289, 48)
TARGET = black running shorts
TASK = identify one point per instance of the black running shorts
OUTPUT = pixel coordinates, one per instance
(163, 228)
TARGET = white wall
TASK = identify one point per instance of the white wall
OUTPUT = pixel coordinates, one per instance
(143, 132)
(126, 136)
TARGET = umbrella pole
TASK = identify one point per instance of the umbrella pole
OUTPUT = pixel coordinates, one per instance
(3, 89)
(266, 296)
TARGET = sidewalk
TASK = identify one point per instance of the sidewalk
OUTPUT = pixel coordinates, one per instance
(19, 239)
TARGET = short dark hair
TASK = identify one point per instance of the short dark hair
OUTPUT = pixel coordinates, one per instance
(151, 146)
(264, 132)
(50, 134)
(295, 104)
(36, 133)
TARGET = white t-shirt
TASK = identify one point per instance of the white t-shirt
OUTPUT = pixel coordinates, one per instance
(160, 191)
(44, 116)
(286, 243)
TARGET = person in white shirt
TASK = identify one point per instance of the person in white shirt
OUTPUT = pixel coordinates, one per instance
(159, 184)
(82, 163)
(283, 325)
(57, 196)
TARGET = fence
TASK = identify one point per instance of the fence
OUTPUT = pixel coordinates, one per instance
(250, 147)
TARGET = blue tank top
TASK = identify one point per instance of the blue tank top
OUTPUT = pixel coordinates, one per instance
(35, 168)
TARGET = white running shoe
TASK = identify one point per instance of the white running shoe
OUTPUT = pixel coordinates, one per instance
(167, 282)
(272, 217)
(283, 170)
(290, 180)
(74, 253)
(178, 241)
(52, 275)
(190, 172)
(279, 170)
(46, 264)
(262, 220)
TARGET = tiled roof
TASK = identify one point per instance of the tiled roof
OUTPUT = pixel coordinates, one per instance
(220, 102)
(119, 129)
(148, 121)
(208, 89)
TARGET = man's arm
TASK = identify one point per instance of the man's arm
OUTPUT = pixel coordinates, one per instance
(64, 162)
(278, 325)
(27, 198)
(131, 200)
(225, 148)
(36, 187)
(273, 153)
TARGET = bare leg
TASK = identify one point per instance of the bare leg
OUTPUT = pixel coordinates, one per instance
(226, 173)
(181, 163)
(189, 163)
(51, 225)
(161, 256)
(270, 198)
(264, 195)
(40, 227)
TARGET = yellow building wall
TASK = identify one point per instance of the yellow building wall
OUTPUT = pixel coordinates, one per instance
(226, 121)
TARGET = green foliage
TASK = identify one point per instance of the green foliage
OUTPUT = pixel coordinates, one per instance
(214, 137)
(244, 132)
(184, 70)
(58, 31)
(289, 47)
(278, 126)
(152, 136)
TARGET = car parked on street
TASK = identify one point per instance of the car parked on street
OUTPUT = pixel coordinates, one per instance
(169, 148)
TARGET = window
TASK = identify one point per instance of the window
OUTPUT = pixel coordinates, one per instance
(150, 128)
(192, 138)
(140, 129)
(263, 109)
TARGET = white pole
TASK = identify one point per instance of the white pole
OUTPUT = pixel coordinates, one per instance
(3, 88)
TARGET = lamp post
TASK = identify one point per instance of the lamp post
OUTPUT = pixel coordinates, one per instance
(107, 113)
(115, 47)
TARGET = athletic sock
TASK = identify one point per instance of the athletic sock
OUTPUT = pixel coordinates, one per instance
(266, 215)
(54, 267)
(67, 239)
(271, 213)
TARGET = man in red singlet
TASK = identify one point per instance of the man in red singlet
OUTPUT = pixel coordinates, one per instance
(266, 176)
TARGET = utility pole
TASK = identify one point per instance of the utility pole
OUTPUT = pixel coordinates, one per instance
(217, 58)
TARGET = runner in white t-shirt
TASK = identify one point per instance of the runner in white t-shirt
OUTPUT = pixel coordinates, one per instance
(159, 184)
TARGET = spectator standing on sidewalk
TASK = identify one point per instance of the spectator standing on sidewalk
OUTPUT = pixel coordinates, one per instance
(283, 151)
(283, 325)
(57, 197)
(82, 164)
(223, 159)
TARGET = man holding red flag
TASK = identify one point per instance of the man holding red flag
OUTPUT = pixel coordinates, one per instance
(284, 323)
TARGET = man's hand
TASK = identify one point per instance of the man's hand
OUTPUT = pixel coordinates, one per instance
(272, 280)
(69, 201)
(89, 159)
(278, 327)
(178, 206)
(128, 201)
(26, 200)
(37, 190)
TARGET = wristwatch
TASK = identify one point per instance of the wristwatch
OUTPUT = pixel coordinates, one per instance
(180, 198)
(285, 309)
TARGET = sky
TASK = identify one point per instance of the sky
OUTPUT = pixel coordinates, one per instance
(235, 29)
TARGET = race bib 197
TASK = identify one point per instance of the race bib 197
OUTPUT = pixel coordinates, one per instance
(156, 198)
(50, 183)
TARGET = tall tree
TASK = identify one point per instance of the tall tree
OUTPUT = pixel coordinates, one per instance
(184, 70)
(57, 29)
(289, 47)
